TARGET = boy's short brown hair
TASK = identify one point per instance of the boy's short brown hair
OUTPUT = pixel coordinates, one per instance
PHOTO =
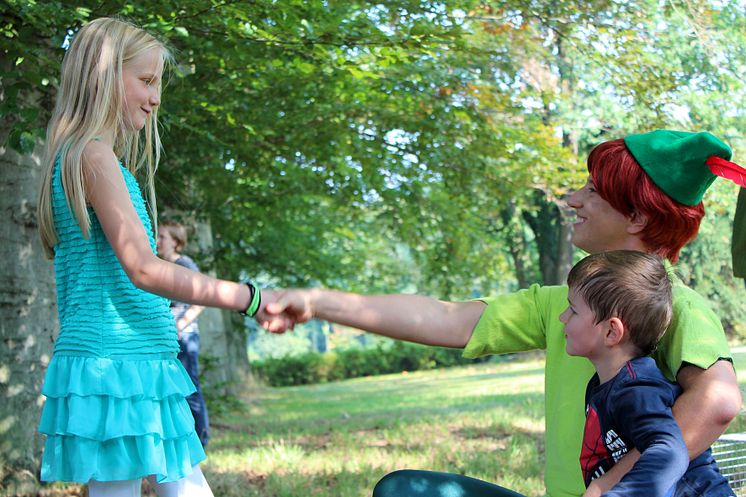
(632, 286)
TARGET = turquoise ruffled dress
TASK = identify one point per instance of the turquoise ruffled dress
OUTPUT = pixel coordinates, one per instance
(115, 407)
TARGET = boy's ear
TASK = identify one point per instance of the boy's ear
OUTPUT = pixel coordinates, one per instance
(615, 331)
(637, 223)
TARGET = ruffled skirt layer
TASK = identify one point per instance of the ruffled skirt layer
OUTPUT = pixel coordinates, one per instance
(117, 419)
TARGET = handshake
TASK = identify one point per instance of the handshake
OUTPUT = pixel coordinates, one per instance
(282, 309)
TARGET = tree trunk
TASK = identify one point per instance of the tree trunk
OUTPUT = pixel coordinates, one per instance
(553, 234)
(28, 320)
(517, 244)
(551, 224)
(565, 248)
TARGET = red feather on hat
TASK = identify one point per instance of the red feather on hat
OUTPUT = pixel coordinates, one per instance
(726, 169)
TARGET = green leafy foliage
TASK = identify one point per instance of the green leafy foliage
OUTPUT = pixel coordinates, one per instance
(419, 146)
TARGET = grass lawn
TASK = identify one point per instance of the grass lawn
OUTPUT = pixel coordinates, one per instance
(338, 439)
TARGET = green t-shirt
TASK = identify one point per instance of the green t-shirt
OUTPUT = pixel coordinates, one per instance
(529, 319)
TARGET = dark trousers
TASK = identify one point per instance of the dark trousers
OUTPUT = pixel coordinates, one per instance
(189, 357)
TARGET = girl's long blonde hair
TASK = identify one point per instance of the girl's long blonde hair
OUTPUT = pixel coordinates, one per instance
(90, 103)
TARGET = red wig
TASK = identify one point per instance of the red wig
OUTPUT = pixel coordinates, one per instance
(620, 180)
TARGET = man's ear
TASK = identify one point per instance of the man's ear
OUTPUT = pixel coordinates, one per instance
(615, 331)
(636, 223)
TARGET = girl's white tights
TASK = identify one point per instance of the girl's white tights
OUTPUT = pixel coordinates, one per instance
(193, 485)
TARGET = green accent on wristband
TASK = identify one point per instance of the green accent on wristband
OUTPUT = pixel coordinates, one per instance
(256, 300)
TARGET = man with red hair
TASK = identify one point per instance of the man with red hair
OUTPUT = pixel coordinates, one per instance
(643, 193)
(668, 224)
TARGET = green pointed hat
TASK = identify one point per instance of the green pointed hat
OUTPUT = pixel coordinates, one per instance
(684, 164)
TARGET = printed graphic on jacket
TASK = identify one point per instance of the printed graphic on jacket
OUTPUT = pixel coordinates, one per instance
(600, 451)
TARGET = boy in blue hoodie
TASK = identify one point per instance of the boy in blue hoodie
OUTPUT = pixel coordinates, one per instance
(619, 308)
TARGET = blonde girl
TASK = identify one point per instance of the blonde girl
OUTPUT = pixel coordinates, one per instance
(116, 411)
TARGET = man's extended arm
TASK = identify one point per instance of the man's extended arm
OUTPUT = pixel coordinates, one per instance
(413, 318)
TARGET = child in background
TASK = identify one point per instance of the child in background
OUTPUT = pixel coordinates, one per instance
(172, 239)
(116, 411)
(619, 308)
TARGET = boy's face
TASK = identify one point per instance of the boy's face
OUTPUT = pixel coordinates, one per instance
(584, 337)
(166, 245)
